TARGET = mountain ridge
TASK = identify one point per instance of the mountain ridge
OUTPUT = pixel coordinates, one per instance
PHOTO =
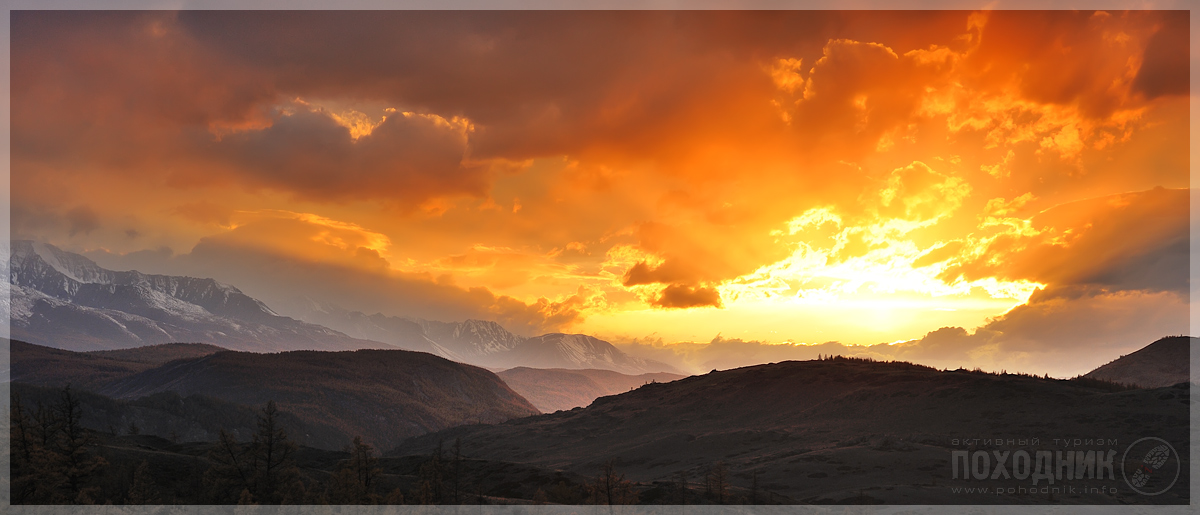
(484, 343)
(66, 300)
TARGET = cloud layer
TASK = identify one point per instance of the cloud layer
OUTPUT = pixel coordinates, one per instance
(633, 173)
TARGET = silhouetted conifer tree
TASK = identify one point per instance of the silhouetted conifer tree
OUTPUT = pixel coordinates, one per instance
(51, 458)
(72, 444)
(263, 469)
(142, 490)
(246, 498)
(611, 487)
(754, 487)
(396, 497)
(36, 477)
(456, 470)
(354, 482)
(430, 487)
(231, 471)
(683, 486)
(717, 484)
(272, 452)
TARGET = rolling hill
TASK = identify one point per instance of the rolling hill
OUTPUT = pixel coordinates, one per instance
(45, 366)
(382, 395)
(1162, 363)
(833, 431)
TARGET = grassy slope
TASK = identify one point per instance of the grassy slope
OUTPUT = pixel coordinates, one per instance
(828, 430)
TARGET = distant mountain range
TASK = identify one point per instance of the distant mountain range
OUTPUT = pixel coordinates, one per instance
(65, 300)
(555, 389)
(1162, 363)
(483, 343)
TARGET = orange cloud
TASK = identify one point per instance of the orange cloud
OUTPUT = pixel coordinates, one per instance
(506, 166)
(682, 296)
(1135, 241)
(204, 212)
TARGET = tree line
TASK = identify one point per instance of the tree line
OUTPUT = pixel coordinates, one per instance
(55, 460)
(51, 453)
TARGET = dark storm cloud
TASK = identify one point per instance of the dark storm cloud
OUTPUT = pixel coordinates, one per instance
(668, 272)
(406, 158)
(546, 83)
(684, 296)
(1061, 57)
(1165, 67)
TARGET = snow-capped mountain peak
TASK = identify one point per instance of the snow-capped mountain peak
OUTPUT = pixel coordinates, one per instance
(69, 264)
(64, 299)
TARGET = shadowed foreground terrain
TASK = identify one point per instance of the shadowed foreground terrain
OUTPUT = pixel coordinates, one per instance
(829, 431)
(56, 460)
(842, 430)
(383, 396)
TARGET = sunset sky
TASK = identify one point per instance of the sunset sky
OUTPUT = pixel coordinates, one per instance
(996, 189)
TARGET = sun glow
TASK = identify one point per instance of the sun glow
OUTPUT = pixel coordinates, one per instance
(876, 179)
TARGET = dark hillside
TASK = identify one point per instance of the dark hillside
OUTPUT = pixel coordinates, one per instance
(829, 430)
(159, 354)
(45, 366)
(1162, 363)
(382, 395)
(170, 416)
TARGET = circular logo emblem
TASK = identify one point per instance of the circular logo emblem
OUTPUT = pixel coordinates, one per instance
(1150, 466)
